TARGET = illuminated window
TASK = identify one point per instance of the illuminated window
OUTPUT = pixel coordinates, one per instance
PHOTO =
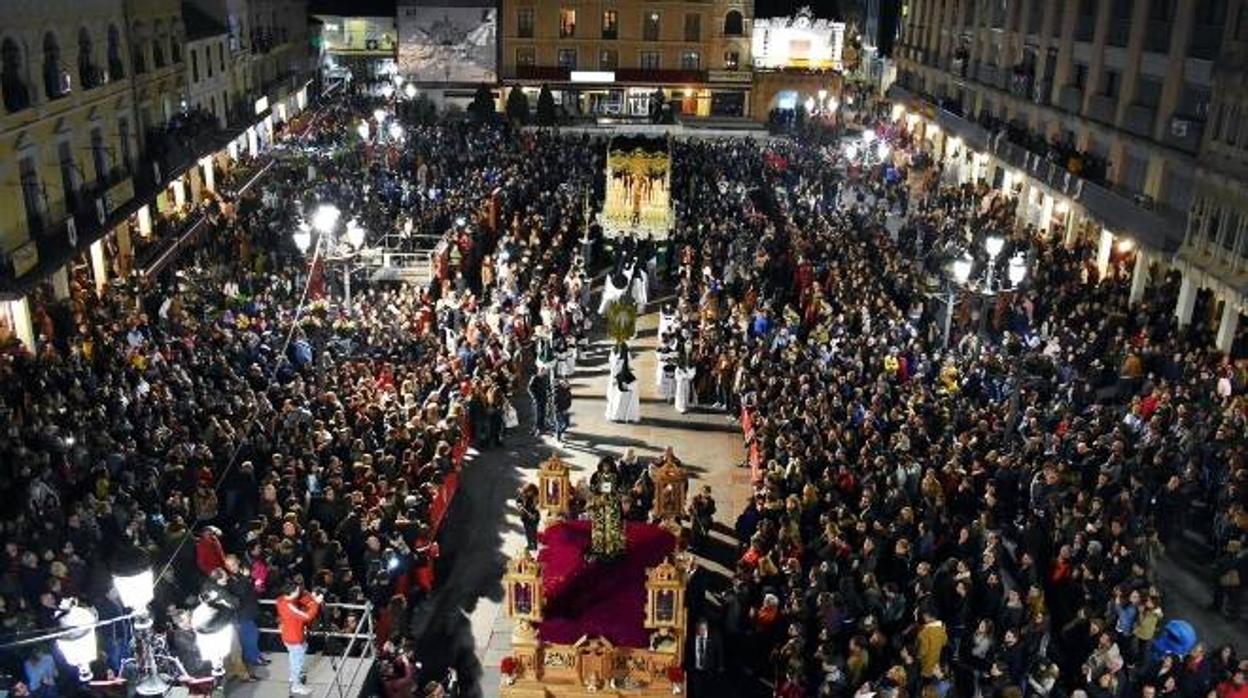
(608, 59)
(650, 27)
(567, 23)
(526, 57)
(690, 60)
(651, 60)
(610, 24)
(567, 58)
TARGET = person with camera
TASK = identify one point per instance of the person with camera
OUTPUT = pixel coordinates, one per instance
(296, 610)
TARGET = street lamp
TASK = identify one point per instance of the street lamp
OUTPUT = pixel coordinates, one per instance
(78, 645)
(1017, 270)
(136, 590)
(363, 130)
(303, 238)
(868, 136)
(379, 115)
(410, 90)
(960, 273)
(396, 130)
(325, 218)
(881, 150)
(851, 151)
(993, 245)
(214, 635)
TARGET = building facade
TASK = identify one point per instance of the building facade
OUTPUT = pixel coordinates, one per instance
(100, 139)
(1214, 254)
(1093, 112)
(208, 80)
(608, 57)
(365, 46)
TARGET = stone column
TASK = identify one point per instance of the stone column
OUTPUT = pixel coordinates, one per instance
(19, 313)
(99, 266)
(1139, 276)
(1187, 299)
(1228, 325)
(60, 283)
(1103, 247)
(124, 248)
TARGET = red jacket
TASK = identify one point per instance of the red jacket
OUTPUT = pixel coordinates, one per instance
(209, 555)
(294, 616)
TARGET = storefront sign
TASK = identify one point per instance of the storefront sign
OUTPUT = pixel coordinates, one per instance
(25, 258)
(592, 76)
(262, 105)
(733, 76)
(118, 194)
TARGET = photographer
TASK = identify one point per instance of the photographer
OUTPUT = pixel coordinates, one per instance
(296, 610)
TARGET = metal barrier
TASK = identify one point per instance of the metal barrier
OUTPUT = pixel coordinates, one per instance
(409, 267)
(363, 631)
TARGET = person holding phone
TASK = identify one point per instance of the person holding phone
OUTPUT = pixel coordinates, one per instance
(296, 610)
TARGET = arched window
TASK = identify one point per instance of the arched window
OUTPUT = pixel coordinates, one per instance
(16, 96)
(158, 46)
(175, 45)
(116, 67)
(52, 83)
(88, 74)
(734, 24)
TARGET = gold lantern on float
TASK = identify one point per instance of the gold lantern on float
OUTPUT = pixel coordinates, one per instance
(671, 487)
(523, 582)
(554, 489)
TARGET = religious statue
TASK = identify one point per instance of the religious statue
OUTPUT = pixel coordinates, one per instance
(606, 538)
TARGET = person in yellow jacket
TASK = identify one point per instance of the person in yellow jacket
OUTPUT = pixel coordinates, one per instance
(930, 643)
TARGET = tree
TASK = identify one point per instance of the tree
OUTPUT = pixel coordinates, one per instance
(482, 107)
(517, 106)
(545, 107)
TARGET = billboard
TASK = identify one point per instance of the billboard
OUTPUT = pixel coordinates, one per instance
(449, 44)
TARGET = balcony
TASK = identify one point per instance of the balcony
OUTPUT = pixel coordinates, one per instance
(1101, 108)
(1119, 32)
(1070, 98)
(1139, 119)
(1206, 41)
(1156, 227)
(1183, 132)
(1085, 28)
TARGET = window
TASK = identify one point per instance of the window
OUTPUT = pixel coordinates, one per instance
(194, 65)
(732, 60)
(651, 60)
(208, 60)
(734, 24)
(1232, 126)
(158, 52)
(87, 76)
(52, 67)
(1241, 24)
(1147, 91)
(116, 68)
(526, 57)
(524, 22)
(69, 178)
(16, 96)
(123, 138)
(1110, 83)
(140, 61)
(175, 46)
(693, 27)
(221, 57)
(690, 60)
(610, 24)
(650, 26)
(567, 23)
(32, 193)
(608, 59)
(567, 58)
(1081, 76)
(99, 158)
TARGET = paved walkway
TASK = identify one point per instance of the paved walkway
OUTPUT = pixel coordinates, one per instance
(465, 626)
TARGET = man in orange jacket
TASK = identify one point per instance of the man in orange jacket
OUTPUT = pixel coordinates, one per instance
(296, 609)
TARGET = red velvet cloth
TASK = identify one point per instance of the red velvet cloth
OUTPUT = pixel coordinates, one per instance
(598, 598)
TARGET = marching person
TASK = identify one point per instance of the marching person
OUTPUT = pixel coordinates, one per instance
(563, 405)
(530, 515)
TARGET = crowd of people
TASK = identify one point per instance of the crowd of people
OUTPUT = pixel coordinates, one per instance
(254, 436)
(981, 519)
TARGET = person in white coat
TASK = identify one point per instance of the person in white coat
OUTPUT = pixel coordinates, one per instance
(685, 373)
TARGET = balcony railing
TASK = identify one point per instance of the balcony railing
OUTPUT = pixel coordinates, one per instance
(1139, 119)
(1101, 108)
(1070, 98)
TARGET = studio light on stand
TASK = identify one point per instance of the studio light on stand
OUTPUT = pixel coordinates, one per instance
(78, 645)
